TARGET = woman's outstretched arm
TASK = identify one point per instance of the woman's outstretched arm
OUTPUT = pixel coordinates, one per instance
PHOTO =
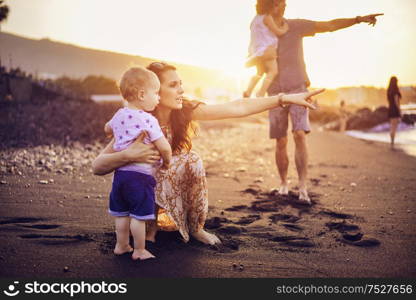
(109, 160)
(245, 107)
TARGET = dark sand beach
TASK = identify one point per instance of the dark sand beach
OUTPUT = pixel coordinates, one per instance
(54, 220)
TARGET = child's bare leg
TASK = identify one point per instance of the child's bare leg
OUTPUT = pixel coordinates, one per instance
(151, 227)
(271, 72)
(251, 85)
(138, 230)
(122, 234)
(254, 79)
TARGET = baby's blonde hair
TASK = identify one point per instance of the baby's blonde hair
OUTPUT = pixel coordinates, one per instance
(133, 80)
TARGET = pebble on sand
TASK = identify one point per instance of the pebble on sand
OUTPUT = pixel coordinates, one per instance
(259, 180)
(3, 182)
(43, 182)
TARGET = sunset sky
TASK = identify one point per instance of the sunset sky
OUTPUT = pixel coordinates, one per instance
(215, 34)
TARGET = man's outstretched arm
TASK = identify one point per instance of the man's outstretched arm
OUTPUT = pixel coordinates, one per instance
(338, 24)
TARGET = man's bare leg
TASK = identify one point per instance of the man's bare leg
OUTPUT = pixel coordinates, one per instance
(301, 160)
(282, 163)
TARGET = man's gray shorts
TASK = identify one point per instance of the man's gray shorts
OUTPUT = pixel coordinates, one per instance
(279, 118)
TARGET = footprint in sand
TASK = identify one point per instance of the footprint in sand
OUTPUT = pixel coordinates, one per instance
(293, 227)
(251, 191)
(23, 222)
(363, 243)
(294, 241)
(306, 244)
(20, 220)
(42, 226)
(57, 239)
(352, 237)
(44, 238)
(282, 217)
(259, 232)
(215, 222)
(336, 166)
(230, 230)
(236, 208)
(342, 226)
(247, 220)
(265, 206)
(335, 214)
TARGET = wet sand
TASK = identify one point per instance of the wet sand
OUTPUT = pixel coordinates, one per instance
(361, 224)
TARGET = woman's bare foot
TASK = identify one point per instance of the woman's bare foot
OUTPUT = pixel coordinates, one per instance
(141, 254)
(151, 231)
(151, 237)
(206, 237)
(120, 250)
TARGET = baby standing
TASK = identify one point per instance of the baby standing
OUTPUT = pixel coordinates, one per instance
(132, 198)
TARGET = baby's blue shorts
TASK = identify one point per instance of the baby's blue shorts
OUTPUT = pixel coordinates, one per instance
(133, 195)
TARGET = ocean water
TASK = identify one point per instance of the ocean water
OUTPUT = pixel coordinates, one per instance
(405, 136)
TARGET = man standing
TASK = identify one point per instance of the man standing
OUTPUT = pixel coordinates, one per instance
(292, 78)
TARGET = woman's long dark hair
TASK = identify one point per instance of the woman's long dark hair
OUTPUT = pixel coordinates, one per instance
(393, 88)
(183, 128)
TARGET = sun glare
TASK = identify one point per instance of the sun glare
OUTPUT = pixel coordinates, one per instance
(215, 34)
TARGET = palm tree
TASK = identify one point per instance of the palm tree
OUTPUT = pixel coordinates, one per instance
(4, 11)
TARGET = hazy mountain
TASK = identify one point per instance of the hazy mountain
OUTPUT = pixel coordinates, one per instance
(49, 58)
(46, 57)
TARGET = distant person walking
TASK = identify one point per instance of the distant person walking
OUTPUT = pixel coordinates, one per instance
(343, 116)
(393, 97)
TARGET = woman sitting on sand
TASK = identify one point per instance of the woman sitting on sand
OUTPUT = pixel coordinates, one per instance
(181, 191)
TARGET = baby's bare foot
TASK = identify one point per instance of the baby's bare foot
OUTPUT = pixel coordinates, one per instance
(141, 254)
(120, 250)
